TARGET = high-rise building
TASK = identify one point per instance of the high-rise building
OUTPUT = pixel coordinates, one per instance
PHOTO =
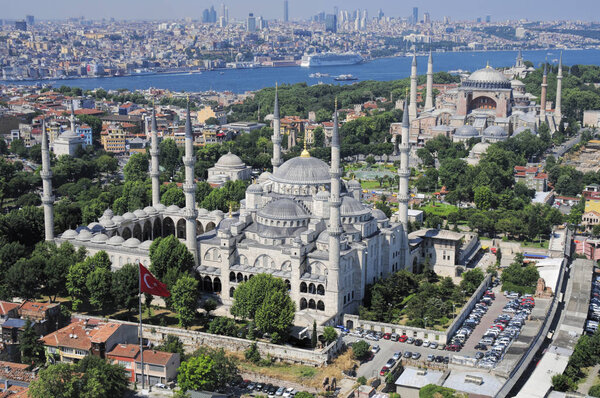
(331, 23)
(380, 14)
(30, 20)
(251, 23)
(488, 18)
(213, 14)
(21, 25)
(286, 11)
(479, 20)
(209, 15)
(415, 15)
(426, 18)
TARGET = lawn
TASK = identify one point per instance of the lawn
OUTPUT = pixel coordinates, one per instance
(370, 185)
(439, 209)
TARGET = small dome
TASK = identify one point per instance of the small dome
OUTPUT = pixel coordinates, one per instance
(69, 234)
(145, 245)
(303, 170)
(255, 188)
(322, 195)
(84, 235)
(323, 237)
(99, 238)
(173, 208)
(379, 215)
(352, 207)
(95, 227)
(150, 210)
(283, 209)
(160, 207)
(108, 213)
(517, 83)
(115, 240)
(129, 216)
(202, 212)
(264, 177)
(494, 132)
(106, 222)
(230, 161)
(216, 213)
(354, 184)
(131, 242)
(480, 148)
(466, 131)
(140, 213)
(118, 219)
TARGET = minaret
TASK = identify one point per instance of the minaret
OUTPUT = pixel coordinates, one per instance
(429, 98)
(404, 171)
(558, 107)
(47, 197)
(72, 118)
(412, 111)
(543, 99)
(335, 222)
(276, 138)
(189, 188)
(154, 172)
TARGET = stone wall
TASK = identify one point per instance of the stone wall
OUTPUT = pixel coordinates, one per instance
(466, 310)
(192, 340)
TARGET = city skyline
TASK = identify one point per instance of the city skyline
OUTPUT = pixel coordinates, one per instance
(273, 9)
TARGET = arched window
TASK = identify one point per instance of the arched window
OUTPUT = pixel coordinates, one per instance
(232, 277)
(231, 290)
(288, 284)
(147, 234)
(217, 285)
(137, 232)
(303, 304)
(209, 227)
(320, 306)
(168, 227)
(181, 229)
(311, 304)
(303, 287)
(157, 229)
(126, 233)
(312, 289)
(321, 290)
(240, 277)
(207, 284)
(199, 228)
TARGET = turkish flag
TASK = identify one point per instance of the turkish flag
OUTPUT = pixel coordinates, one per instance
(149, 284)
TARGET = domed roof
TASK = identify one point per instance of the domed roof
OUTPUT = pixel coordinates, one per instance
(150, 210)
(352, 207)
(354, 184)
(108, 213)
(202, 212)
(69, 234)
(516, 83)
(173, 208)
(379, 215)
(118, 219)
(480, 148)
(145, 245)
(255, 188)
(84, 235)
(106, 222)
(229, 160)
(283, 209)
(487, 78)
(264, 176)
(140, 213)
(217, 213)
(466, 131)
(323, 237)
(99, 238)
(160, 207)
(129, 216)
(132, 242)
(303, 170)
(322, 195)
(94, 227)
(115, 240)
(495, 131)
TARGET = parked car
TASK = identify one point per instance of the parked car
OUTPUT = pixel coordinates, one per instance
(410, 340)
(375, 349)
(390, 362)
(394, 337)
(430, 358)
(418, 342)
(384, 371)
(407, 354)
(416, 355)
(387, 336)
(403, 338)
(426, 343)
(433, 345)
(397, 355)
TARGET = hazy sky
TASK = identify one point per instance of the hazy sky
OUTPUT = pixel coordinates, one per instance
(300, 9)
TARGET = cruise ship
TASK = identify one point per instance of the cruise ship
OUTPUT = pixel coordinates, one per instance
(331, 59)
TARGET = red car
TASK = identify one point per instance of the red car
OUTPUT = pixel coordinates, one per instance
(453, 347)
(387, 336)
(384, 371)
(403, 338)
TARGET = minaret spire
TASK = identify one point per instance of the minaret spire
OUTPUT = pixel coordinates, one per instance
(189, 188)
(47, 197)
(544, 90)
(404, 171)
(276, 138)
(154, 171)
(335, 222)
(72, 118)
(412, 111)
(558, 107)
(429, 98)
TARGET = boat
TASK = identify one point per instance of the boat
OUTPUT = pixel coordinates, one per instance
(331, 59)
(345, 78)
(318, 75)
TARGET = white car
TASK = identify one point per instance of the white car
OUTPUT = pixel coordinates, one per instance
(433, 345)
(397, 355)
(426, 343)
(375, 349)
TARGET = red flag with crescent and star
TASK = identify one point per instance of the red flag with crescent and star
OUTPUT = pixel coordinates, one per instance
(149, 284)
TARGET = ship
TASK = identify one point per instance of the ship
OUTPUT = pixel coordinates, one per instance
(331, 59)
(345, 78)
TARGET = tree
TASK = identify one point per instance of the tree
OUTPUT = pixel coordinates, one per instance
(57, 261)
(203, 189)
(594, 391)
(434, 391)
(223, 326)
(77, 277)
(58, 381)
(483, 197)
(32, 350)
(276, 314)
(173, 196)
(209, 306)
(171, 344)
(212, 121)
(471, 280)
(360, 349)
(362, 380)
(563, 383)
(224, 366)
(329, 334)
(252, 354)
(370, 160)
(99, 284)
(169, 252)
(125, 288)
(197, 373)
(169, 156)
(23, 279)
(250, 295)
(136, 168)
(304, 394)
(184, 299)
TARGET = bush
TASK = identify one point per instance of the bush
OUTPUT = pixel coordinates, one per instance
(362, 380)
(563, 383)
(594, 391)
(252, 354)
(360, 349)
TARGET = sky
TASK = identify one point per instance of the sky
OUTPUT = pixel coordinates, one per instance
(500, 10)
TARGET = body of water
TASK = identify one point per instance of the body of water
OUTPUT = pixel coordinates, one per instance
(242, 80)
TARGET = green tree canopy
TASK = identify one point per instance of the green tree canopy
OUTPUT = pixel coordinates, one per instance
(169, 253)
(184, 299)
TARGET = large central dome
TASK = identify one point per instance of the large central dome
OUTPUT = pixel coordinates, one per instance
(487, 77)
(303, 170)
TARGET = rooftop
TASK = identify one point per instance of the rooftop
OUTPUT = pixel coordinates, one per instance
(413, 377)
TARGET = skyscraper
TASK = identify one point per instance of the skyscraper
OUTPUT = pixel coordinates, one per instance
(30, 20)
(251, 23)
(415, 16)
(285, 11)
(331, 23)
(488, 18)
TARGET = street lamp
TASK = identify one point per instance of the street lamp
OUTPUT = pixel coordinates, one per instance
(425, 321)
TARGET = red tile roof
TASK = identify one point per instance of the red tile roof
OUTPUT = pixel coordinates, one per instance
(6, 306)
(156, 357)
(126, 351)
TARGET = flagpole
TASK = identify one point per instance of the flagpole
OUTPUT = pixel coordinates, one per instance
(141, 329)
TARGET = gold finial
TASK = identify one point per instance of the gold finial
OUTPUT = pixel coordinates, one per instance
(305, 153)
(487, 65)
(406, 91)
(230, 210)
(335, 106)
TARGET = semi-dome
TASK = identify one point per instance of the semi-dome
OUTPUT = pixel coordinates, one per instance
(466, 131)
(230, 161)
(352, 207)
(266, 176)
(69, 234)
(118, 219)
(494, 132)
(115, 240)
(150, 210)
(217, 213)
(479, 149)
(99, 238)
(129, 216)
(202, 212)
(132, 242)
(303, 170)
(487, 78)
(94, 227)
(283, 209)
